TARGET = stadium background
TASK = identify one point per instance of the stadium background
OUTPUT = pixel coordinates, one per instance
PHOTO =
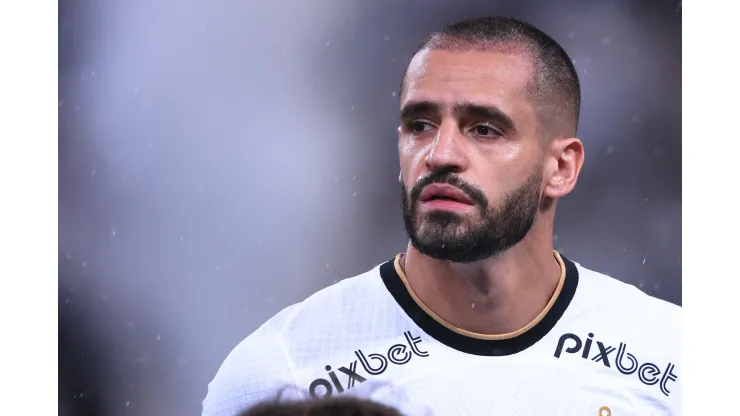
(219, 161)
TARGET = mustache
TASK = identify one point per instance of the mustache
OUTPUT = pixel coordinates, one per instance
(449, 178)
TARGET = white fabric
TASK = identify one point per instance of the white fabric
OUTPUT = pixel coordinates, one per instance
(358, 317)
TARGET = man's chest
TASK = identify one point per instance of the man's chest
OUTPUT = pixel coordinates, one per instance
(420, 376)
(508, 387)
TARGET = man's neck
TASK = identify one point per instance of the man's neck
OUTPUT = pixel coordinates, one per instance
(498, 295)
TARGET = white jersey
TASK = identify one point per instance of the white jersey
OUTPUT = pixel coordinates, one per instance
(602, 348)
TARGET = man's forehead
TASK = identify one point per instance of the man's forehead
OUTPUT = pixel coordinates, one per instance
(474, 76)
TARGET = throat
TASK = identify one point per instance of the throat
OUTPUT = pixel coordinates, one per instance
(494, 302)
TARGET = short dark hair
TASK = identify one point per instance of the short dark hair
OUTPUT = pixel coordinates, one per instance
(554, 89)
(334, 406)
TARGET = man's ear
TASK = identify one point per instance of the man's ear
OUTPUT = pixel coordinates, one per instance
(564, 163)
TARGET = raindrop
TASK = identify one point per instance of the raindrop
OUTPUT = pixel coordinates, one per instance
(354, 194)
(571, 35)
(327, 265)
(128, 403)
(328, 42)
(159, 337)
(66, 301)
(354, 177)
(555, 237)
(644, 260)
(473, 305)
(180, 238)
(387, 38)
(84, 263)
(606, 41)
(393, 94)
(610, 150)
(218, 268)
(113, 233)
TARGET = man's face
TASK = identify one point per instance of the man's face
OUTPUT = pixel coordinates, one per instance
(471, 160)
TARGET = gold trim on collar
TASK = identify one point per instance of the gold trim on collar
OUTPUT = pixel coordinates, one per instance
(489, 337)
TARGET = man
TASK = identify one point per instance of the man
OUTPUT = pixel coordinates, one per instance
(479, 315)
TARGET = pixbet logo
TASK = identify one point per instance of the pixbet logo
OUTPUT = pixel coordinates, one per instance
(626, 363)
(373, 364)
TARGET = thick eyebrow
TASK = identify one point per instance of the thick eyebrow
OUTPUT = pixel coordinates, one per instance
(418, 109)
(485, 112)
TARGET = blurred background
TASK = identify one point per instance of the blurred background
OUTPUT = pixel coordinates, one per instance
(219, 161)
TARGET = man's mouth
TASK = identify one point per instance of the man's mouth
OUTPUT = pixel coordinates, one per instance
(443, 195)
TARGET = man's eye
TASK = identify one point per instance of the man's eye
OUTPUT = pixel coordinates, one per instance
(418, 126)
(483, 130)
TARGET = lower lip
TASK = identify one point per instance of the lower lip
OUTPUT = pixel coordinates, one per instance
(445, 205)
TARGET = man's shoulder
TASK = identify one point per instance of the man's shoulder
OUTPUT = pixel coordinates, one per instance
(627, 335)
(335, 302)
(263, 365)
(340, 300)
(615, 297)
(611, 307)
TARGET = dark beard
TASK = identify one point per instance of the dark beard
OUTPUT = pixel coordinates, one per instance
(445, 235)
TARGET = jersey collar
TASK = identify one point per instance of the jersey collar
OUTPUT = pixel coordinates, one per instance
(480, 344)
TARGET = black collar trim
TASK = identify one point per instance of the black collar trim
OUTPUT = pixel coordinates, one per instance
(477, 346)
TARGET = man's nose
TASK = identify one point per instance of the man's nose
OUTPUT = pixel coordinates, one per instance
(448, 150)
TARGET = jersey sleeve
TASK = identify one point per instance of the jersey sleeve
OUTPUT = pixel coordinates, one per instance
(256, 370)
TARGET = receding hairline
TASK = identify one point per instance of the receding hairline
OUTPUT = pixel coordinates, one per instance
(553, 84)
(453, 43)
(505, 48)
